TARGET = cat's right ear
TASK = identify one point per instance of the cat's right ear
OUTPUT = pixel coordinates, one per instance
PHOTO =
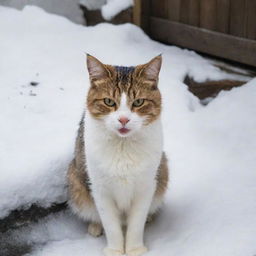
(96, 69)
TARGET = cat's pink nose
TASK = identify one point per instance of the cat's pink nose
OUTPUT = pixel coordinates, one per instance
(123, 120)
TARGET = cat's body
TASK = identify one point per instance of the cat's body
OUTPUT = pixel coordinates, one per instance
(118, 179)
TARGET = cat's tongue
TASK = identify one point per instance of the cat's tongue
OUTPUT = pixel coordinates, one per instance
(123, 130)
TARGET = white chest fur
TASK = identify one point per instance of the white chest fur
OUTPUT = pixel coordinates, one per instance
(119, 166)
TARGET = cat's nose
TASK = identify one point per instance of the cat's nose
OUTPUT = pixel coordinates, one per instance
(123, 120)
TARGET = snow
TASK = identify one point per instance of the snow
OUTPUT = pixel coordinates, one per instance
(210, 207)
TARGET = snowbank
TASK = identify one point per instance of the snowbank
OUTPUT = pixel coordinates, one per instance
(210, 208)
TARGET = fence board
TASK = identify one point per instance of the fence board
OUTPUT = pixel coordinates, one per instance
(237, 18)
(208, 14)
(224, 28)
(174, 10)
(194, 13)
(159, 8)
(137, 12)
(251, 19)
(145, 14)
(184, 11)
(223, 12)
(211, 42)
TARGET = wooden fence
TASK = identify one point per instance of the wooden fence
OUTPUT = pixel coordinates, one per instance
(223, 28)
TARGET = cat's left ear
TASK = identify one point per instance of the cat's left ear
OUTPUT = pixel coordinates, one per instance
(151, 69)
(96, 69)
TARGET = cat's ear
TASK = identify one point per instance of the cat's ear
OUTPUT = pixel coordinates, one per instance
(96, 69)
(151, 69)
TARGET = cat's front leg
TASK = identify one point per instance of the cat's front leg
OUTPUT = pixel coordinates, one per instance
(111, 222)
(136, 222)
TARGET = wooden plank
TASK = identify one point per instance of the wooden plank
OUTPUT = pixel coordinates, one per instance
(223, 13)
(174, 10)
(159, 8)
(184, 11)
(237, 18)
(145, 7)
(194, 13)
(145, 15)
(251, 19)
(137, 12)
(214, 43)
(208, 10)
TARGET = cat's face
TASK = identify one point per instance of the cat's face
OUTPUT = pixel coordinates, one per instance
(124, 99)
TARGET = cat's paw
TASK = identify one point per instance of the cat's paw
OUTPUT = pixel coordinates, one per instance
(137, 251)
(95, 229)
(112, 252)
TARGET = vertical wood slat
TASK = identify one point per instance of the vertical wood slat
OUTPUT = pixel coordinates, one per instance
(237, 18)
(184, 11)
(194, 13)
(145, 6)
(174, 10)
(137, 12)
(223, 14)
(251, 19)
(159, 8)
(208, 10)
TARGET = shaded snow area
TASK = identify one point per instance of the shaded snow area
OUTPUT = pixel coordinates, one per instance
(210, 207)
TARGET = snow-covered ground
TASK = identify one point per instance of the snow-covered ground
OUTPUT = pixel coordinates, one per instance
(210, 207)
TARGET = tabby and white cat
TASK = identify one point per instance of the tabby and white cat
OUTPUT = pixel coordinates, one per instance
(119, 174)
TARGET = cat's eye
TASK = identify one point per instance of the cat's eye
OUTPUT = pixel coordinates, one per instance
(138, 102)
(109, 102)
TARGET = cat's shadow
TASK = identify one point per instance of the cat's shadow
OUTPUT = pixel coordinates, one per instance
(169, 224)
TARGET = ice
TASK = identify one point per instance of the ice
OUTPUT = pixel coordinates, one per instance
(210, 207)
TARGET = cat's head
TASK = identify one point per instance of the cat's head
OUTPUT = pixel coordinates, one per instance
(124, 99)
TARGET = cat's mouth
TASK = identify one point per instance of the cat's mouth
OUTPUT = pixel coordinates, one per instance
(123, 130)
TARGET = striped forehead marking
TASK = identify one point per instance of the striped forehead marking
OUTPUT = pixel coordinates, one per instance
(123, 73)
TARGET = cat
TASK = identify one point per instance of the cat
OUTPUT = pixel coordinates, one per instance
(119, 174)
